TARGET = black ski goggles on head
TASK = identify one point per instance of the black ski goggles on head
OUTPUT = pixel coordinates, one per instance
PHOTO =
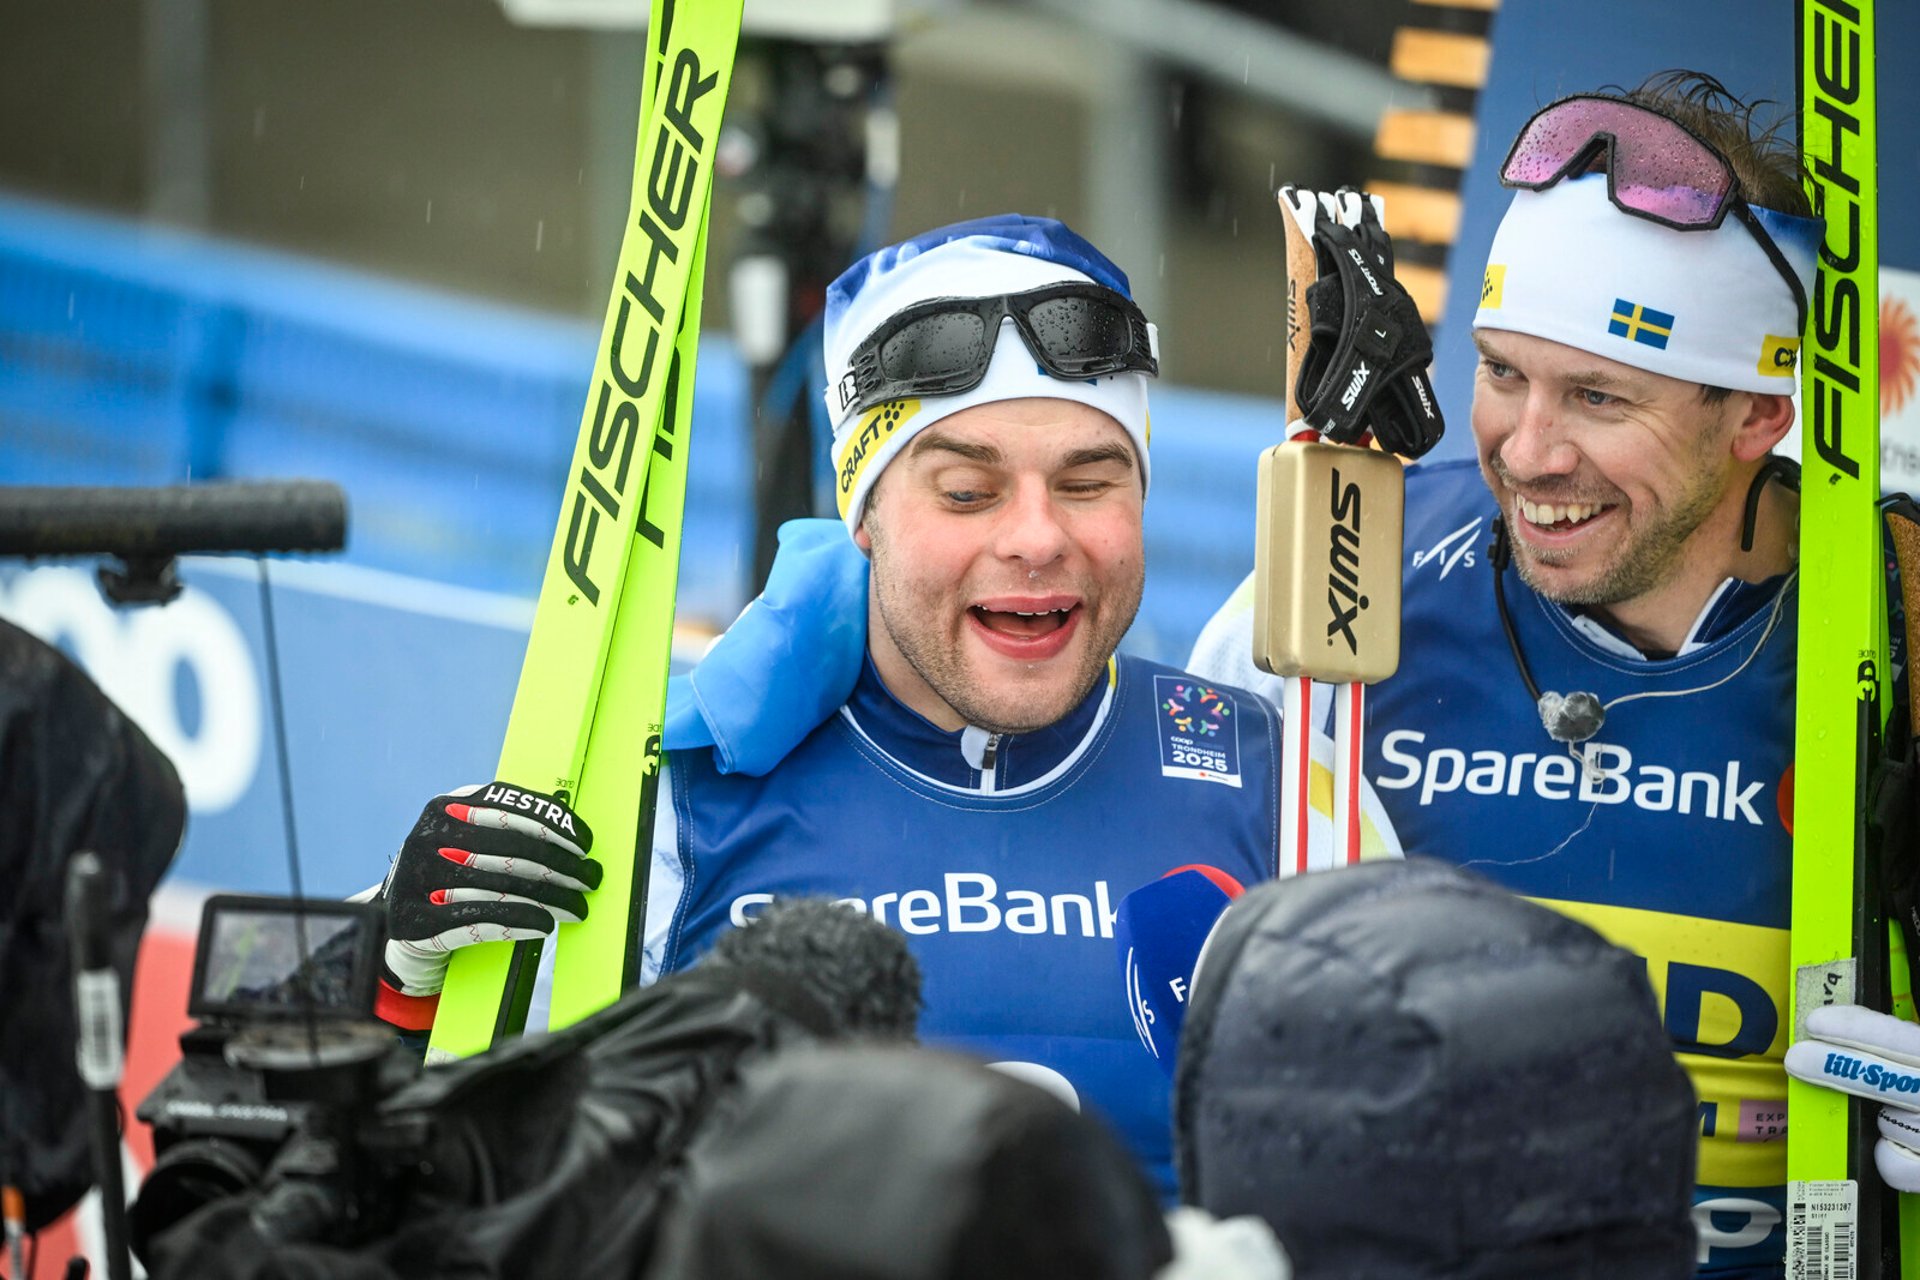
(1656, 168)
(942, 347)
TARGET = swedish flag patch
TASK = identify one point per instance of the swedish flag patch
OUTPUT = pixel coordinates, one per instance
(1637, 323)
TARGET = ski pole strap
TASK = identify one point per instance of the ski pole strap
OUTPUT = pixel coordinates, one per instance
(1903, 529)
(1365, 364)
(1896, 784)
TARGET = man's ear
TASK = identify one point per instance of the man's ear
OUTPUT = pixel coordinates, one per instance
(1765, 422)
(862, 536)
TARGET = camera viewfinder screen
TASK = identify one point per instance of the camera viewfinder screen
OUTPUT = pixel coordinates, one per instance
(254, 960)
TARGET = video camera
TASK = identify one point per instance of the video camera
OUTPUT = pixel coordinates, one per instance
(285, 1056)
(492, 1166)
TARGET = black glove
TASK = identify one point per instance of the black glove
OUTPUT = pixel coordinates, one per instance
(1365, 368)
(482, 864)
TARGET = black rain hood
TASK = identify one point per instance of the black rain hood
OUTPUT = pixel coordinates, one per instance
(75, 774)
(1410, 1072)
(904, 1164)
(543, 1159)
(548, 1157)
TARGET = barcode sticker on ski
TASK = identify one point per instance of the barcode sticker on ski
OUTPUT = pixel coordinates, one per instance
(1822, 1222)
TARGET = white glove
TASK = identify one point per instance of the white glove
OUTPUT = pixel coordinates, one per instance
(1874, 1056)
(1209, 1248)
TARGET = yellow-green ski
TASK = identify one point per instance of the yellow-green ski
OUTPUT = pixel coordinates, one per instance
(599, 957)
(1838, 942)
(608, 580)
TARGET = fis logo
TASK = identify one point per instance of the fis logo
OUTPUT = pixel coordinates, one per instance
(1456, 548)
(1354, 384)
(1344, 601)
(1146, 1022)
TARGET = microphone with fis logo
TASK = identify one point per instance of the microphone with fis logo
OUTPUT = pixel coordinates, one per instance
(1162, 929)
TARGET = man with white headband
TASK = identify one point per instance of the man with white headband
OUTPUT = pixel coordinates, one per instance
(1595, 702)
(998, 777)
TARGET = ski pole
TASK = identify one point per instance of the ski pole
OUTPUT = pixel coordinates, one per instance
(1327, 554)
(98, 1013)
(13, 1211)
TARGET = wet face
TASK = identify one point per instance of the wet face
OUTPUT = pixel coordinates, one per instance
(1007, 562)
(1606, 474)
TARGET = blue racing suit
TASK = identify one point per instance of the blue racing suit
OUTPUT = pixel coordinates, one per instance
(1672, 840)
(1001, 857)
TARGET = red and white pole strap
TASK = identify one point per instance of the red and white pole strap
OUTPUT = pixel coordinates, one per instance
(1296, 774)
(1349, 727)
(1298, 711)
(1311, 492)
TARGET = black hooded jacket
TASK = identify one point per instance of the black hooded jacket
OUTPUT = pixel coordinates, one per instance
(75, 774)
(866, 1163)
(1412, 1073)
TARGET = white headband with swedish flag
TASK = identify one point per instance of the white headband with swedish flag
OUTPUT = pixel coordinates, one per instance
(1703, 306)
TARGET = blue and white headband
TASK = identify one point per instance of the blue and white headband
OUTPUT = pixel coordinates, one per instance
(1005, 254)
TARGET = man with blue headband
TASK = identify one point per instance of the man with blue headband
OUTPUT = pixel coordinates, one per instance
(998, 777)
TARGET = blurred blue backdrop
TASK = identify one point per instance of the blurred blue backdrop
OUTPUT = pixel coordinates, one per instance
(138, 355)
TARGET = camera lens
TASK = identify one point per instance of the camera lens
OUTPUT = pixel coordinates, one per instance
(189, 1174)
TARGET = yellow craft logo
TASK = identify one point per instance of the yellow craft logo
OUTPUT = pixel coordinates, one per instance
(874, 430)
(1779, 355)
(1493, 285)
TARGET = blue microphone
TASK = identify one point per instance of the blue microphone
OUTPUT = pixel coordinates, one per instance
(1160, 929)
